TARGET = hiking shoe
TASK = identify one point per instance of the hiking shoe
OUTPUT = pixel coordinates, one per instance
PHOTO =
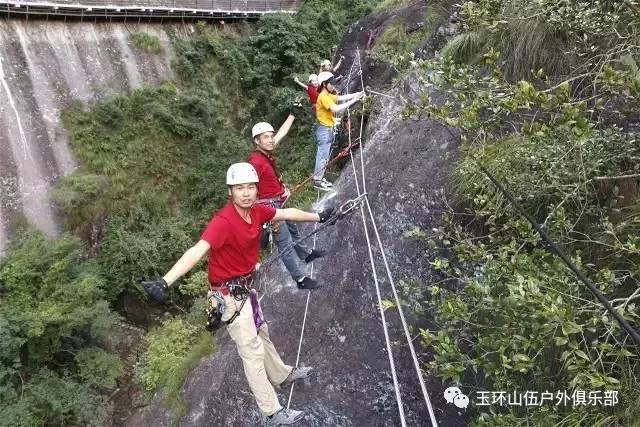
(307, 283)
(322, 185)
(297, 374)
(315, 253)
(284, 417)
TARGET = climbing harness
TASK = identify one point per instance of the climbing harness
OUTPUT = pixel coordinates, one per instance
(271, 227)
(239, 288)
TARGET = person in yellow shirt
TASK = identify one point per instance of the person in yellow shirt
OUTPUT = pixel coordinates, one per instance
(328, 104)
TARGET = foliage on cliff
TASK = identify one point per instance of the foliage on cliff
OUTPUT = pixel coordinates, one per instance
(545, 94)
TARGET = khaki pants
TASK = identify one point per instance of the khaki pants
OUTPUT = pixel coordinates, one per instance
(263, 366)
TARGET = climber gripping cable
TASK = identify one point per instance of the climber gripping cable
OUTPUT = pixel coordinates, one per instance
(328, 104)
(273, 192)
(231, 240)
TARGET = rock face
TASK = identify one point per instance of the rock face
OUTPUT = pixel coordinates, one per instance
(43, 67)
(408, 165)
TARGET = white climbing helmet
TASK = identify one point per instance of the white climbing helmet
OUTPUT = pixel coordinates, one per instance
(325, 63)
(312, 77)
(241, 173)
(324, 76)
(261, 127)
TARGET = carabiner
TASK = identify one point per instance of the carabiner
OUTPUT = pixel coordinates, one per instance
(350, 205)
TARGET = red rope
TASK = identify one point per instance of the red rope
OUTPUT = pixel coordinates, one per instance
(341, 154)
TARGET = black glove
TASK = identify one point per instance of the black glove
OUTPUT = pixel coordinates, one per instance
(325, 215)
(156, 289)
(295, 109)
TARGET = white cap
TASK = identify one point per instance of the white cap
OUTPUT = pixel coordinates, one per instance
(261, 127)
(312, 77)
(325, 63)
(324, 76)
(241, 173)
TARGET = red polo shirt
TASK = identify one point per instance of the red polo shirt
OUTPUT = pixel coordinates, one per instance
(312, 91)
(269, 185)
(234, 242)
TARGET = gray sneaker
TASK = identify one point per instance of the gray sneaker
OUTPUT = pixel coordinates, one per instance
(284, 417)
(323, 185)
(298, 373)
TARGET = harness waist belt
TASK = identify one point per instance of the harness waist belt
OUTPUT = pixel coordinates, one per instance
(271, 200)
(244, 281)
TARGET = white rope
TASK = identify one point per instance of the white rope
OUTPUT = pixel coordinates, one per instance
(416, 364)
(394, 376)
(306, 309)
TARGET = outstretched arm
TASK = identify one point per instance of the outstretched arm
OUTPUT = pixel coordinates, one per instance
(187, 261)
(302, 85)
(339, 108)
(296, 215)
(349, 96)
(284, 130)
(337, 66)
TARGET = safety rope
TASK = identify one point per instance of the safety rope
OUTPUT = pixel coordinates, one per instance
(392, 365)
(567, 260)
(343, 153)
(343, 210)
(306, 310)
(405, 327)
(362, 195)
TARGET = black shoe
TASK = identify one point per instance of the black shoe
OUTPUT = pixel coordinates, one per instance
(315, 253)
(308, 283)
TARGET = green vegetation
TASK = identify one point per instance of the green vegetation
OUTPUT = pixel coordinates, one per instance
(394, 43)
(146, 42)
(390, 4)
(543, 93)
(53, 321)
(398, 43)
(174, 350)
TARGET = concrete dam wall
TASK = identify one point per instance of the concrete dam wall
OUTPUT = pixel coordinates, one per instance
(44, 66)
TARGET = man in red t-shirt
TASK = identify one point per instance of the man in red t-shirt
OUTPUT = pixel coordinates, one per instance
(312, 90)
(272, 192)
(231, 240)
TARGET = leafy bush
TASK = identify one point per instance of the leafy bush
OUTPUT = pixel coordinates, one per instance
(146, 42)
(397, 44)
(52, 315)
(174, 349)
(390, 4)
(52, 399)
(128, 254)
(555, 36)
(515, 317)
